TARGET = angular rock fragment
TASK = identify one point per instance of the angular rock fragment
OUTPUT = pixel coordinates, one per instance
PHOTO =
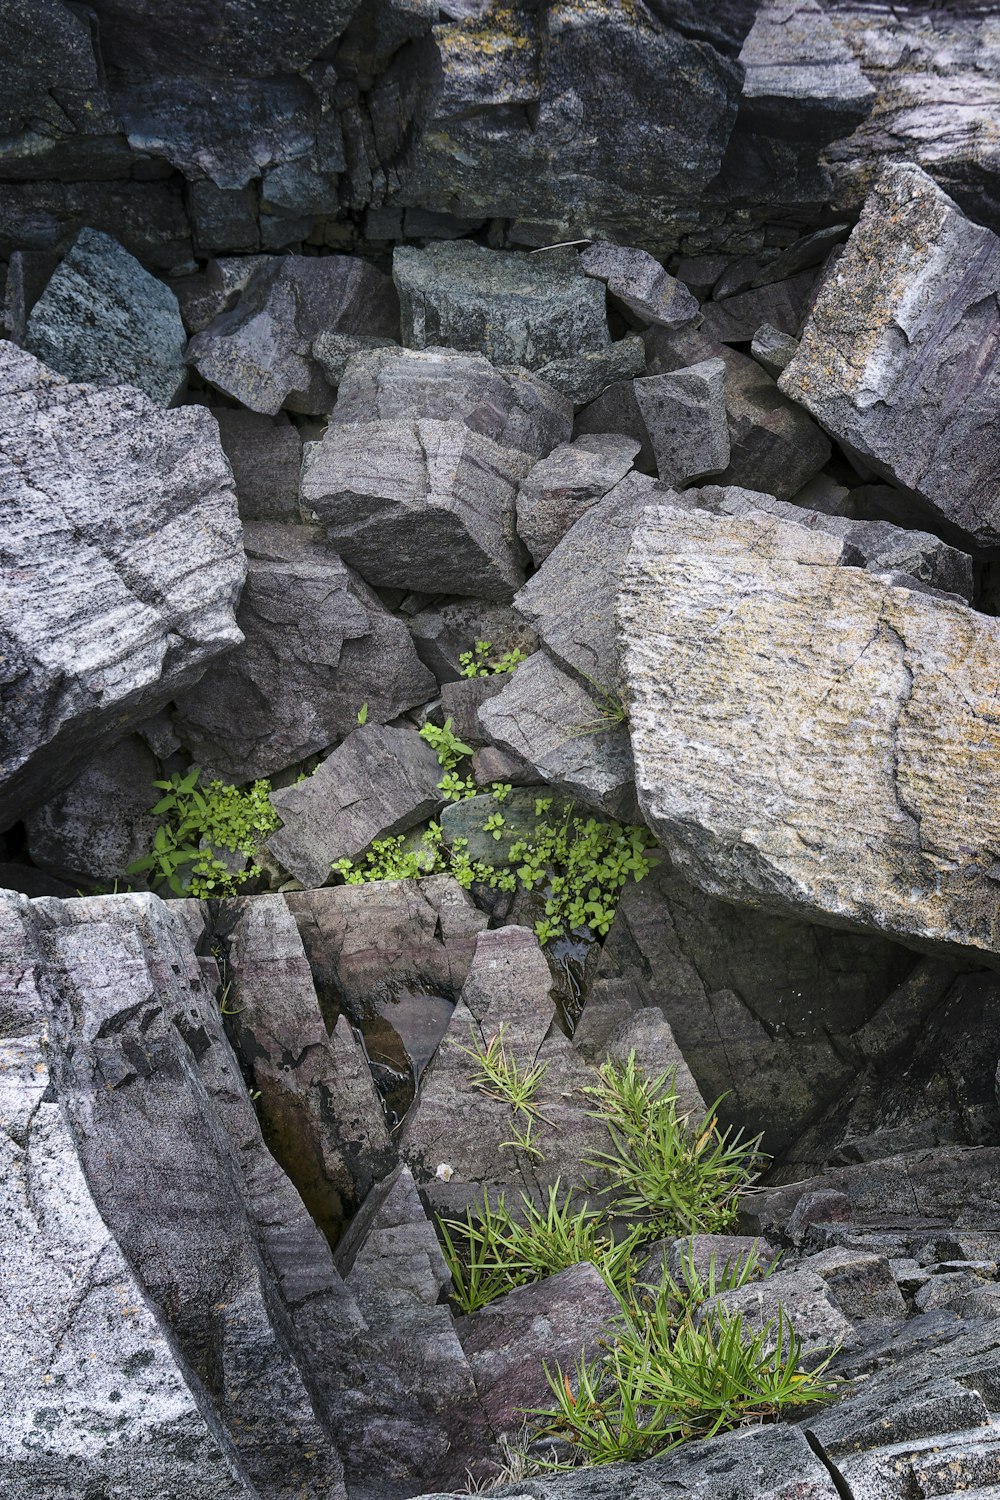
(260, 350)
(318, 644)
(639, 284)
(772, 349)
(443, 634)
(424, 505)
(103, 318)
(571, 738)
(783, 304)
(379, 782)
(515, 409)
(99, 824)
(266, 456)
(563, 486)
(585, 376)
(516, 309)
(685, 415)
(334, 350)
(804, 1298)
(863, 795)
(801, 79)
(616, 410)
(898, 358)
(125, 564)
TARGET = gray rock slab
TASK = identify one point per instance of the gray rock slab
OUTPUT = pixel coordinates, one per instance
(334, 350)
(318, 644)
(570, 601)
(104, 318)
(616, 410)
(583, 377)
(99, 824)
(562, 487)
(895, 682)
(684, 413)
(804, 1298)
(897, 357)
(514, 408)
(124, 568)
(549, 720)
(783, 304)
(260, 350)
(638, 283)
(465, 820)
(772, 349)
(266, 455)
(552, 1322)
(802, 80)
(379, 782)
(423, 505)
(861, 1283)
(515, 308)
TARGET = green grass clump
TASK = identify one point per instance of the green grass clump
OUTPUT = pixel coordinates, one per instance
(481, 661)
(197, 821)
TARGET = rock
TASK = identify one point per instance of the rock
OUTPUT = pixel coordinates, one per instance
(782, 304)
(585, 376)
(424, 505)
(616, 410)
(124, 568)
(773, 349)
(315, 1098)
(861, 1284)
(99, 824)
(146, 217)
(460, 703)
(715, 1255)
(550, 721)
(465, 820)
(802, 81)
(804, 1298)
(513, 408)
(202, 297)
(907, 405)
(552, 1323)
(379, 782)
(685, 415)
(28, 274)
(516, 309)
(260, 350)
(444, 633)
(586, 566)
(265, 455)
(103, 318)
(775, 447)
(335, 350)
(318, 644)
(563, 486)
(640, 285)
(892, 820)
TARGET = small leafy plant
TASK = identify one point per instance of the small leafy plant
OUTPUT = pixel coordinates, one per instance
(454, 785)
(195, 823)
(480, 662)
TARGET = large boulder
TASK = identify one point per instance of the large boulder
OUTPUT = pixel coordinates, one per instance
(863, 795)
(318, 645)
(124, 568)
(898, 358)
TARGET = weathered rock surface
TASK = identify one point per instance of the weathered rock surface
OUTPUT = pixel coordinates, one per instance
(548, 719)
(563, 486)
(260, 350)
(99, 824)
(103, 318)
(266, 456)
(585, 376)
(318, 643)
(379, 782)
(863, 795)
(684, 413)
(515, 409)
(772, 349)
(802, 79)
(124, 568)
(898, 358)
(638, 284)
(783, 304)
(516, 309)
(444, 633)
(423, 504)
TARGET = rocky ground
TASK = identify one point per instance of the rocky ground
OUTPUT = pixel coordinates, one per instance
(521, 486)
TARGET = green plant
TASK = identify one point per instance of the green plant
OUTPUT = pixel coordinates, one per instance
(678, 1177)
(446, 745)
(479, 662)
(195, 823)
(500, 1075)
(363, 714)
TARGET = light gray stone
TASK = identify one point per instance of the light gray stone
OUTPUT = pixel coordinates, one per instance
(260, 350)
(104, 318)
(99, 824)
(124, 567)
(773, 349)
(638, 283)
(563, 486)
(685, 415)
(265, 455)
(898, 357)
(517, 309)
(802, 80)
(318, 644)
(379, 782)
(804, 1299)
(844, 804)
(585, 376)
(424, 505)
(334, 351)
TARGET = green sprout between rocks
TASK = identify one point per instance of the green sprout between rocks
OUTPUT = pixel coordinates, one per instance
(480, 661)
(195, 823)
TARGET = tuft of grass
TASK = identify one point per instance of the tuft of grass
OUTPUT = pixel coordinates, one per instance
(500, 1075)
(677, 1177)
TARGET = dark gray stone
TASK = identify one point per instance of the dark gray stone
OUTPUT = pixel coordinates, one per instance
(132, 510)
(517, 309)
(28, 274)
(639, 284)
(334, 350)
(585, 376)
(103, 318)
(443, 634)
(265, 455)
(379, 782)
(318, 645)
(148, 218)
(231, 39)
(684, 413)
(566, 484)
(861, 1283)
(783, 304)
(99, 824)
